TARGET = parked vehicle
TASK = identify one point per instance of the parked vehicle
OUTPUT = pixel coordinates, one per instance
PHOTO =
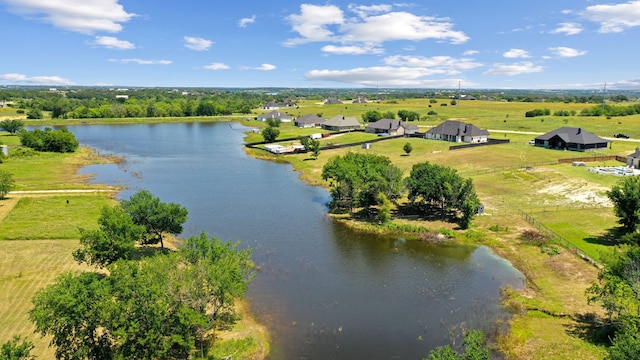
(621, 136)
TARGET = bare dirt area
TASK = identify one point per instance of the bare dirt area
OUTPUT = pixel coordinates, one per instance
(579, 192)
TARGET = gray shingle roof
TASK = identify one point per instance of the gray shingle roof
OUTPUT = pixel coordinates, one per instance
(573, 135)
(342, 121)
(310, 119)
(457, 128)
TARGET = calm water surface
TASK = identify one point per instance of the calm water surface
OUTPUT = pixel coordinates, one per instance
(324, 291)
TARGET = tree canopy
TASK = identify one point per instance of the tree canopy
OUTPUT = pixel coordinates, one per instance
(11, 126)
(156, 216)
(6, 183)
(625, 196)
(50, 140)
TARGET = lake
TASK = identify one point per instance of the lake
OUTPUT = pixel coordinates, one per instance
(324, 290)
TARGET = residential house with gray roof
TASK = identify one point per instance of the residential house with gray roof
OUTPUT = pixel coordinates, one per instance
(391, 127)
(309, 121)
(569, 138)
(342, 123)
(457, 131)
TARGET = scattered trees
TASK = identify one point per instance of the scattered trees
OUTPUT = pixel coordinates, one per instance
(625, 196)
(156, 216)
(11, 126)
(6, 183)
(50, 140)
(406, 115)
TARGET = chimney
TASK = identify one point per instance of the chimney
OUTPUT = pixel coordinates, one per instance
(579, 130)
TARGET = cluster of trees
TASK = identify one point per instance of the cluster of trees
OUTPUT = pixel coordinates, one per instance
(367, 180)
(271, 132)
(608, 110)
(618, 288)
(537, 112)
(49, 140)
(404, 115)
(166, 306)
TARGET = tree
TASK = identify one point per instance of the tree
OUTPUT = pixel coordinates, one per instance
(388, 115)
(371, 116)
(312, 145)
(156, 216)
(408, 148)
(270, 134)
(274, 122)
(356, 179)
(12, 126)
(34, 114)
(115, 239)
(626, 345)
(432, 185)
(6, 183)
(16, 349)
(61, 140)
(625, 196)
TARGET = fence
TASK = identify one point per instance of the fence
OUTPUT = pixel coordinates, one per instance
(557, 238)
(593, 158)
(486, 143)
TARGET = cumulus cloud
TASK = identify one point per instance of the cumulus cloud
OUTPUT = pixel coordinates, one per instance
(525, 67)
(263, 67)
(111, 42)
(216, 66)
(83, 16)
(516, 54)
(568, 28)
(386, 76)
(34, 80)
(352, 50)
(445, 64)
(614, 18)
(374, 24)
(470, 52)
(246, 21)
(141, 61)
(566, 52)
(197, 43)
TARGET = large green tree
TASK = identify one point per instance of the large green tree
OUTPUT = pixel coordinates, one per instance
(357, 179)
(60, 140)
(436, 186)
(270, 134)
(156, 216)
(11, 126)
(371, 116)
(114, 239)
(625, 196)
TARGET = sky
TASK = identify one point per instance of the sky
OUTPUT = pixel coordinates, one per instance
(498, 44)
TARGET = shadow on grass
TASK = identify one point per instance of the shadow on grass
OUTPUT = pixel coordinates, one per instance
(610, 238)
(591, 328)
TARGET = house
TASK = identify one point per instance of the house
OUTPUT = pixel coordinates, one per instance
(271, 105)
(309, 121)
(467, 97)
(457, 131)
(633, 160)
(275, 114)
(359, 100)
(341, 123)
(390, 127)
(568, 138)
(333, 101)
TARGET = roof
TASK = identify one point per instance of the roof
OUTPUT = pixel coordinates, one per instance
(635, 155)
(573, 135)
(458, 128)
(274, 115)
(310, 119)
(391, 124)
(342, 121)
(334, 101)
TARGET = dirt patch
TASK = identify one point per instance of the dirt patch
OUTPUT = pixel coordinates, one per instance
(579, 192)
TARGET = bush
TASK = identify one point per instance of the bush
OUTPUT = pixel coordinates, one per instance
(49, 140)
(534, 237)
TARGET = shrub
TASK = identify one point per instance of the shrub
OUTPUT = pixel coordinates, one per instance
(534, 237)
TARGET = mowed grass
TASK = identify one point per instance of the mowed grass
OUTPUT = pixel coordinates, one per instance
(25, 267)
(50, 217)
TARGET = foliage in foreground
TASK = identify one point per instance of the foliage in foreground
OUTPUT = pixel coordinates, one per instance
(625, 196)
(16, 349)
(473, 349)
(165, 306)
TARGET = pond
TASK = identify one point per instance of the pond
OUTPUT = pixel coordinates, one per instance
(324, 290)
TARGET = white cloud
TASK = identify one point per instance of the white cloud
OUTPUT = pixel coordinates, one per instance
(216, 66)
(312, 23)
(111, 42)
(516, 54)
(446, 64)
(35, 80)
(568, 28)
(197, 43)
(263, 67)
(526, 67)
(566, 52)
(352, 50)
(83, 16)
(141, 61)
(625, 85)
(374, 24)
(470, 52)
(246, 21)
(614, 18)
(385, 76)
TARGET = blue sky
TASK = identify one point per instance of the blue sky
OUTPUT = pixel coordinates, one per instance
(567, 44)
